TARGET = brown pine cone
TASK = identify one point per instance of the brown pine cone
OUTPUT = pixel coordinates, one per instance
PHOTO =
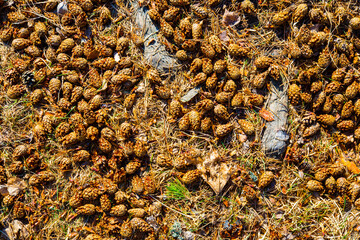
(265, 179)
(118, 210)
(223, 130)
(87, 209)
(314, 186)
(139, 224)
(105, 203)
(19, 210)
(191, 176)
(126, 229)
(90, 194)
(246, 126)
(346, 125)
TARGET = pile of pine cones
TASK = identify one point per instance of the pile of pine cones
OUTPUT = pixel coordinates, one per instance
(325, 51)
(72, 61)
(78, 77)
(215, 66)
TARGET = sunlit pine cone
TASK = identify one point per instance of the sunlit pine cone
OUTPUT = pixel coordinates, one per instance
(140, 224)
(263, 62)
(137, 212)
(265, 179)
(314, 186)
(342, 185)
(281, 17)
(126, 229)
(236, 51)
(194, 120)
(200, 78)
(191, 176)
(347, 110)
(66, 45)
(216, 43)
(120, 197)
(105, 203)
(118, 210)
(20, 43)
(15, 91)
(163, 92)
(321, 174)
(234, 72)
(330, 185)
(166, 28)
(207, 50)
(8, 200)
(149, 185)
(125, 130)
(19, 210)
(90, 194)
(132, 166)
(207, 66)
(105, 63)
(346, 125)
(357, 107)
(221, 112)
(300, 12)
(223, 130)
(352, 90)
(220, 66)
(163, 161)
(87, 210)
(246, 126)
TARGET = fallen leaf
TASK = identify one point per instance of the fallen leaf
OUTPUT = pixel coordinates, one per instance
(223, 36)
(17, 230)
(13, 187)
(214, 172)
(231, 18)
(351, 166)
(267, 115)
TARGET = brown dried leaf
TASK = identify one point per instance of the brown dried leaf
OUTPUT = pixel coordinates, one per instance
(230, 18)
(214, 172)
(267, 115)
(13, 187)
(17, 230)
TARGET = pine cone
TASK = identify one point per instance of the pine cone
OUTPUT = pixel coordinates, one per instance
(87, 209)
(265, 179)
(118, 210)
(191, 176)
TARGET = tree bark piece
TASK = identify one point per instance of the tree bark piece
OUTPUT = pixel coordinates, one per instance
(154, 52)
(275, 138)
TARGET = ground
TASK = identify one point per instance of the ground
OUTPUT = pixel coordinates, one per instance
(96, 143)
